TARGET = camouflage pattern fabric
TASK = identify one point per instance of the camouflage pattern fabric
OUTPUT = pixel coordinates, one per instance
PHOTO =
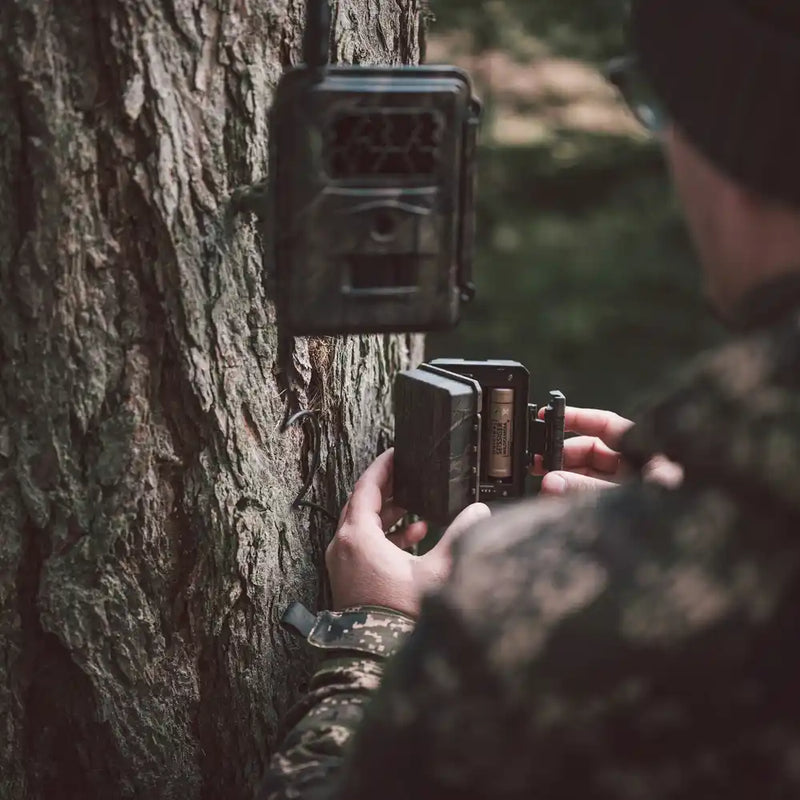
(356, 643)
(640, 644)
(368, 629)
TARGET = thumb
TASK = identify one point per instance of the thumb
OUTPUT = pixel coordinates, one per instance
(435, 566)
(560, 483)
(470, 516)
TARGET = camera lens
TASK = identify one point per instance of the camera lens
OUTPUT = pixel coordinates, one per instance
(383, 227)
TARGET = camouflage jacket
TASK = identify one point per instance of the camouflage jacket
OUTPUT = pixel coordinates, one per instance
(642, 644)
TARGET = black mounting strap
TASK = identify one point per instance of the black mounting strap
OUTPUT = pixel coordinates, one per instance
(299, 619)
(317, 39)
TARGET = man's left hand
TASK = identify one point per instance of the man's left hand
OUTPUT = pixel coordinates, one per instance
(592, 462)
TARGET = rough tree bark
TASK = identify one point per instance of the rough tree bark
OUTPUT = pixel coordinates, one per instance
(147, 545)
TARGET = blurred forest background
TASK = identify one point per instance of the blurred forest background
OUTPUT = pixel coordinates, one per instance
(585, 272)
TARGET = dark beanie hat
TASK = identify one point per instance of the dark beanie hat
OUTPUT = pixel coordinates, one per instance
(728, 73)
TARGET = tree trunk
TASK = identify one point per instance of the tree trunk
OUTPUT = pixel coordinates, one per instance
(148, 546)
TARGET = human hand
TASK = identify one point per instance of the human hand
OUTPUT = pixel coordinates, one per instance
(591, 459)
(367, 567)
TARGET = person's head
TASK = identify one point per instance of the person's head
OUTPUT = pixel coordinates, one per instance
(727, 73)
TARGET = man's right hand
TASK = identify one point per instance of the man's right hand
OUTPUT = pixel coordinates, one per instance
(591, 459)
(369, 567)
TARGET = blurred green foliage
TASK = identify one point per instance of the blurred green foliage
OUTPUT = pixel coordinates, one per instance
(588, 29)
(585, 275)
(585, 272)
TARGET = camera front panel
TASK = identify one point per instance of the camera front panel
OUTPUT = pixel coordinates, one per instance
(369, 194)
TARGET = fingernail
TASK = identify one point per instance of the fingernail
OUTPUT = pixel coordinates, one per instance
(556, 485)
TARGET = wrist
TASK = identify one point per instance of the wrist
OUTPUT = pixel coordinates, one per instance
(369, 630)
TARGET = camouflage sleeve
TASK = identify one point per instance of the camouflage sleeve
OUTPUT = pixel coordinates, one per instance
(355, 644)
(642, 646)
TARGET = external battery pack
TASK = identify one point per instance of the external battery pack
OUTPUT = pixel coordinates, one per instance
(465, 431)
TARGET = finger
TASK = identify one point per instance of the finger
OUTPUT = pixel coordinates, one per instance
(585, 452)
(561, 483)
(470, 516)
(373, 488)
(391, 514)
(591, 473)
(539, 471)
(590, 452)
(537, 467)
(408, 537)
(605, 425)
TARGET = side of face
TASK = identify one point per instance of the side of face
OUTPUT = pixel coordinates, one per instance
(743, 239)
(705, 195)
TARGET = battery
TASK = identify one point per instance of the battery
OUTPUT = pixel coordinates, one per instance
(501, 433)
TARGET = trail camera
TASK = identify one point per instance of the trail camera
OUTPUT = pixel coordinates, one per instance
(373, 172)
(465, 432)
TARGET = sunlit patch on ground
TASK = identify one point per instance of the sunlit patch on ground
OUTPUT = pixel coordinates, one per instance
(531, 101)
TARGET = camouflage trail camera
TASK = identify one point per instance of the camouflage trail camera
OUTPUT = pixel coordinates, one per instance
(464, 431)
(373, 193)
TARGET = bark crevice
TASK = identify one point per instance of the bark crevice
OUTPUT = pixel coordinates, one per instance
(64, 745)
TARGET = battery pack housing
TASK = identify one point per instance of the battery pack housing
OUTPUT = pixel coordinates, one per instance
(446, 453)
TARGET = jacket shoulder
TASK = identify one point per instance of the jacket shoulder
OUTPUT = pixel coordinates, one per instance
(640, 566)
(576, 633)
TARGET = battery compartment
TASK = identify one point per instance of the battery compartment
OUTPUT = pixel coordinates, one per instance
(491, 375)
